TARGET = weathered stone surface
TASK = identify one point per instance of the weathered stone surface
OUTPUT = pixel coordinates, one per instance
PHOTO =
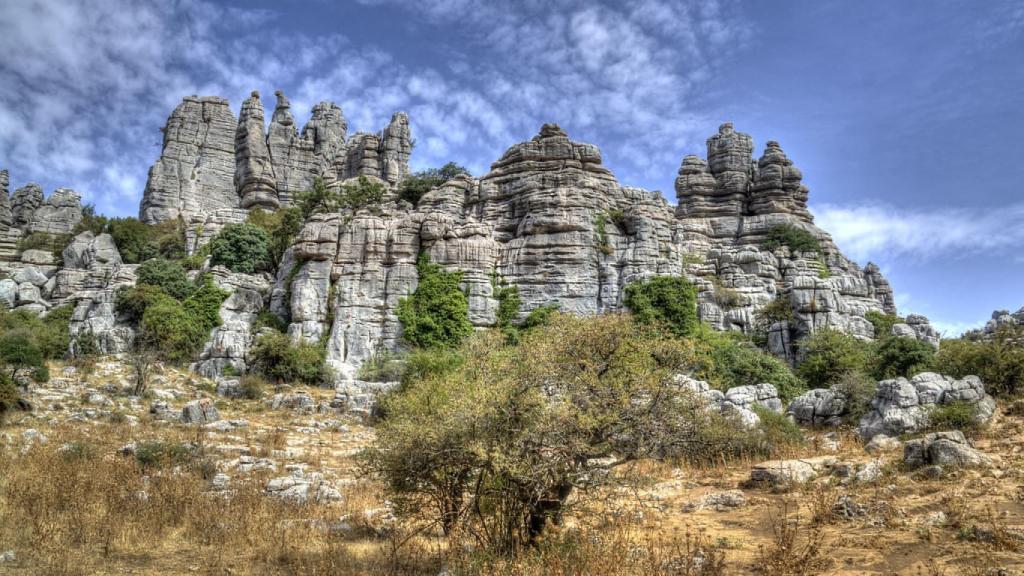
(780, 473)
(298, 159)
(301, 487)
(6, 218)
(818, 407)
(30, 274)
(24, 203)
(87, 250)
(254, 172)
(199, 412)
(230, 342)
(396, 146)
(8, 292)
(945, 449)
(195, 172)
(59, 214)
(901, 406)
(738, 401)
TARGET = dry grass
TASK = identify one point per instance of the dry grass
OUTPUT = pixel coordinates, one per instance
(797, 547)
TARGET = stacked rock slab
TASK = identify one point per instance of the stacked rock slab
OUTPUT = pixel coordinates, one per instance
(195, 172)
(532, 222)
(211, 161)
(28, 211)
(727, 205)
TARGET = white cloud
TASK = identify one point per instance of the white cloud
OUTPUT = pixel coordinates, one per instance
(884, 232)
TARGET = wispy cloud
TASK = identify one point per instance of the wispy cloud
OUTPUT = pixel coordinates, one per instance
(883, 233)
(85, 85)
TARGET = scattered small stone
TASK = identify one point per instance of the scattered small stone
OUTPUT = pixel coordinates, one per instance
(782, 473)
(7, 557)
(718, 501)
(33, 436)
(847, 508)
(937, 518)
(882, 443)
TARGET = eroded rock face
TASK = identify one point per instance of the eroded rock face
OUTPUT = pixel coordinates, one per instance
(902, 406)
(254, 172)
(727, 206)
(59, 214)
(230, 342)
(195, 173)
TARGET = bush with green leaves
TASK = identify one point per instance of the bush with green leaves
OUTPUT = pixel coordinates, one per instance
(997, 360)
(18, 354)
(383, 366)
(828, 355)
(502, 444)
(10, 397)
(350, 197)
(728, 359)
(794, 237)
(882, 323)
(278, 359)
(138, 242)
(176, 329)
(281, 226)
(664, 301)
(419, 183)
(243, 248)
(166, 275)
(436, 315)
(858, 390)
(52, 243)
(132, 301)
(49, 334)
(954, 416)
(897, 356)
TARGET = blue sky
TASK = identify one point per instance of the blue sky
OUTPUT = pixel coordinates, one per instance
(905, 117)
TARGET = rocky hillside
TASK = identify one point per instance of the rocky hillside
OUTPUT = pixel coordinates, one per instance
(548, 218)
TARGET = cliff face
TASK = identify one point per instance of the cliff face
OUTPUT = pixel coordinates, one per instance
(548, 218)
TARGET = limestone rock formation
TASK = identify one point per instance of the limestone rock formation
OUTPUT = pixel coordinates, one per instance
(24, 203)
(6, 218)
(59, 214)
(726, 208)
(948, 449)
(902, 406)
(298, 159)
(254, 172)
(195, 172)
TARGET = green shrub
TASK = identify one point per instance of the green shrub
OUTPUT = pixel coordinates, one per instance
(998, 361)
(423, 363)
(895, 356)
(52, 332)
(241, 248)
(954, 416)
(778, 310)
(437, 312)
(363, 193)
(91, 222)
(252, 386)
(160, 454)
(278, 359)
(138, 242)
(882, 323)
(601, 227)
(172, 329)
(52, 243)
(383, 366)
(795, 238)
(267, 319)
(10, 398)
(204, 304)
(19, 353)
(516, 434)
(828, 355)
(167, 275)
(417, 184)
(664, 301)
(858, 390)
(508, 305)
(539, 316)
(281, 226)
(777, 429)
(728, 359)
(132, 301)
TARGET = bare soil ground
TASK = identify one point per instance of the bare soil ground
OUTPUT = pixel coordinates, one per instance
(77, 498)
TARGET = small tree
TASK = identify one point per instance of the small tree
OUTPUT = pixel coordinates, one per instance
(437, 312)
(142, 359)
(167, 275)
(670, 301)
(501, 441)
(18, 352)
(900, 356)
(243, 248)
(794, 237)
(416, 185)
(828, 355)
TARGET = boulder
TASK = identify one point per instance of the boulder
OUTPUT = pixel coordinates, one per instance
(782, 473)
(818, 407)
(945, 449)
(31, 275)
(8, 292)
(902, 406)
(199, 412)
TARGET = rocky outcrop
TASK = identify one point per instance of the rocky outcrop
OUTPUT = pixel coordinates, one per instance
(230, 342)
(6, 218)
(194, 175)
(254, 172)
(738, 401)
(727, 206)
(902, 406)
(819, 407)
(59, 214)
(946, 449)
